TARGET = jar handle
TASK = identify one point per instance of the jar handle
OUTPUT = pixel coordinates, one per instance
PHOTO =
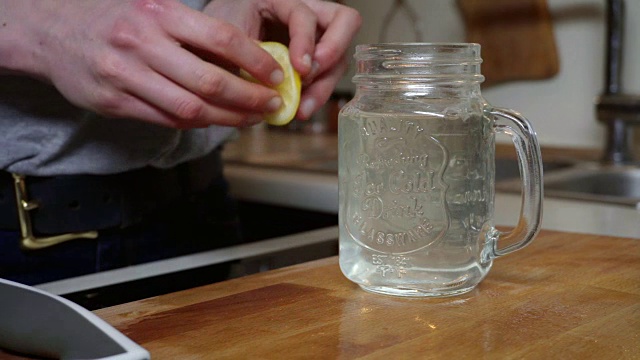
(530, 162)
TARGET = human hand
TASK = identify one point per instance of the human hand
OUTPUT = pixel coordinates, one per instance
(319, 33)
(137, 59)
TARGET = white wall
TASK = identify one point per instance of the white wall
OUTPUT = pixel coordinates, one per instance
(561, 109)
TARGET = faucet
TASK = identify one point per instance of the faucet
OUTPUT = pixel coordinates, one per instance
(617, 110)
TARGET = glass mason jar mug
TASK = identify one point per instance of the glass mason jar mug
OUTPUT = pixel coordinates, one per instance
(417, 169)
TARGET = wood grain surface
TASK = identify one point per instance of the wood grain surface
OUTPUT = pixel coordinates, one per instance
(566, 296)
(517, 38)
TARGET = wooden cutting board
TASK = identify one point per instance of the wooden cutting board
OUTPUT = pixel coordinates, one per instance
(517, 38)
(565, 296)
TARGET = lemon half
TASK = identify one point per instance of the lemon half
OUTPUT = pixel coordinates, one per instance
(289, 90)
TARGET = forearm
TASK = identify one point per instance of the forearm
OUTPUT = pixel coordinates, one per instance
(22, 28)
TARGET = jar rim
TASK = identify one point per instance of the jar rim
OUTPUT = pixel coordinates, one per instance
(423, 44)
(387, 64)
(468, 52)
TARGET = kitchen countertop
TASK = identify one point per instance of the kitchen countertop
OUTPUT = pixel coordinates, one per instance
(566, 295)
(298, 170)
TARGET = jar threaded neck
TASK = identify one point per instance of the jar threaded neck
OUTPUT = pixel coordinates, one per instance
(418, 63)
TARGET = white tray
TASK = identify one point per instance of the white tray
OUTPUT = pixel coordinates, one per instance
(34, 322)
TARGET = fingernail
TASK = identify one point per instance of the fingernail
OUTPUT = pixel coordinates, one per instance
(312, 74)
(314, 69)
(307, 107)
(274, 104)
(277, 77)
(306, 60)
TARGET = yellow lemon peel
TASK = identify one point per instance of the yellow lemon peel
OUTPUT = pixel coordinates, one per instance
(289, 89)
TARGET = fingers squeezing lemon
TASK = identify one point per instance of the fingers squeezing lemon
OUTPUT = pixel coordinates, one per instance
(289, 89)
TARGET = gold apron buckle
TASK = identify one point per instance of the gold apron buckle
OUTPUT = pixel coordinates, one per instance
(27, 240)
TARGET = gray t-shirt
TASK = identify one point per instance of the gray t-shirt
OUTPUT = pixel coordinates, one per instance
(41, 133)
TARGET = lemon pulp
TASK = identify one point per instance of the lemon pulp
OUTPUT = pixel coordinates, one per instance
(289, 89)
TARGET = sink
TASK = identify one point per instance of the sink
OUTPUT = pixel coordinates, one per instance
(508, 168)
(563, 178)
(588, 181)
(610, 184)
